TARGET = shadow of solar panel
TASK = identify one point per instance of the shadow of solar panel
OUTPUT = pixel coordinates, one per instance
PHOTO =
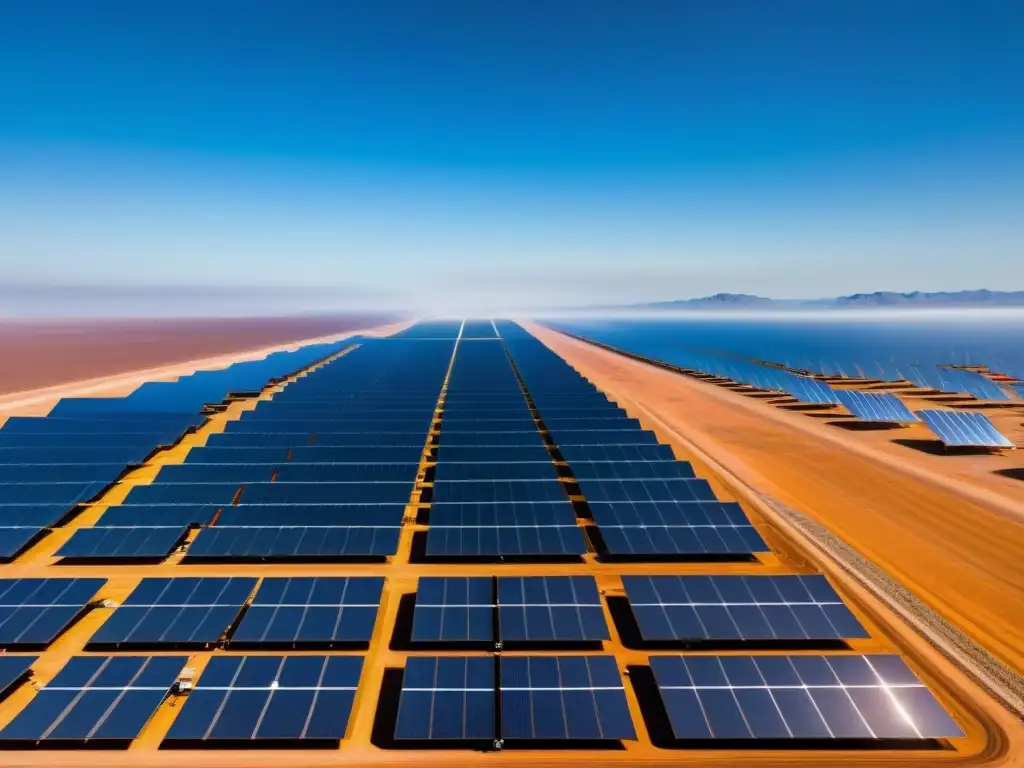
(59, 473)
(70, 493)
(120, 543)
(453, 454)
(454, 610)
(653, 452)
(603, 437)
(14, 540)
(311, 611)
(679, 489)
(493, 471)
(741, 608)
(178, 612)
(183, 493)
(293, 542)
(104, 701)
(447, 698)
(499, 491)
(33, 612)
(563, 697)
(549, 609)
(648, 529)
(964, 429)
(329, 515)
(329, 492)
(274, 700)
(829, 697)
(632, 470)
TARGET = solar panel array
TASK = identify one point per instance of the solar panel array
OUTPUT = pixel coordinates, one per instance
(468, 443)
(964, 429)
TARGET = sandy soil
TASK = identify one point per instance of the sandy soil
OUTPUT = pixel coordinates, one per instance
(38, 353)
(992, 736)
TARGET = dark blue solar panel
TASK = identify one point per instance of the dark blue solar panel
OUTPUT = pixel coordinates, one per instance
(14, 540)
(798, 697)
(216, 473)
(50, 493)
(293, 542)
(158, 515)
(603, 437)
(447, 698)
(306, 611)
(750, 608)
(270, 699)
(312, 514)
(454, 610)
(102, 700)
(500, 439)
(491, 471)
(499, 491)
(138, 543)
(457, 425)
(632, 470)
(33, 612)
(648, 529)
(543, 609)
(100, 440)
(320, 454)
(33, 515)
(493, 454)
(326, 473)
(183, 493)
(329, 493)
(59, 473)
(14, 670)
(81, 455)
(651, 453)
(492, 530)
(563, 697)
(577, 423)
(679, 489)
(177, 612)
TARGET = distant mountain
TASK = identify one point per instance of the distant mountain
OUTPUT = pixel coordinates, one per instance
(885, 299)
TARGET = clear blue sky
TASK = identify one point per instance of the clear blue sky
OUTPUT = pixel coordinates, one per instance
(271, 156)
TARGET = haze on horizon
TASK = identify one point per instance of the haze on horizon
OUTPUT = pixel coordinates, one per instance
(458, 156)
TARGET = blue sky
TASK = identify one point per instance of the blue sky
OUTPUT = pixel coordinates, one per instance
(276, 156)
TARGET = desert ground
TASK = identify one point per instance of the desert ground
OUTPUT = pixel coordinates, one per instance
(959, 553)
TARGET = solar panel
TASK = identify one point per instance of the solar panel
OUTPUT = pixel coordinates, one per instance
(747, 608)
(603, 437)
(675, 529)
(183, 493)
(447, 698)
(59, 473)
(455, 424)
(293, 542)
(69, 494)
(33, 515)
(177, 612)
(632, 470)
(454, 610)
(563, 697)
(328, 493)
(653, 452)
(216, 473)
(550, 609)
(103, 700)
(14, 540)
(454, 454)
(495, 530)
(14, 670)
(494, 471)
(74, 455)
(329, 515)
(497, 439)
(964, 428)
(311, 611)
(33, 612)
(499, 491)
(122, 543)
(678, 489)
(871, 407)
(158, 515)
(873, 696)
(299, 699)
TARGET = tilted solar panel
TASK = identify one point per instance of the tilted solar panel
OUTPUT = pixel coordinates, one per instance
(871, 407)
(103, 700)
(453, 454)
(497, 439)
(183, 493)
(14, 540)
(678, 489)
(603, 437)
(454, 610)
(311, 611)
(750, 608)
(120, 543)
(175, 612)
(831, 696)
(14, 670)
(543, 609)
(495, 470)
(563, 697)
(70, 494)
(964, 428)
(33, 515)
(158, 515)
(447, 698)
(59, 473)
(291, 542)
(513, 529)
(632, 470)
(499, 491)
(33, 612)
(298, 699)
(653, 452)
(283, 492)
(329, 515)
